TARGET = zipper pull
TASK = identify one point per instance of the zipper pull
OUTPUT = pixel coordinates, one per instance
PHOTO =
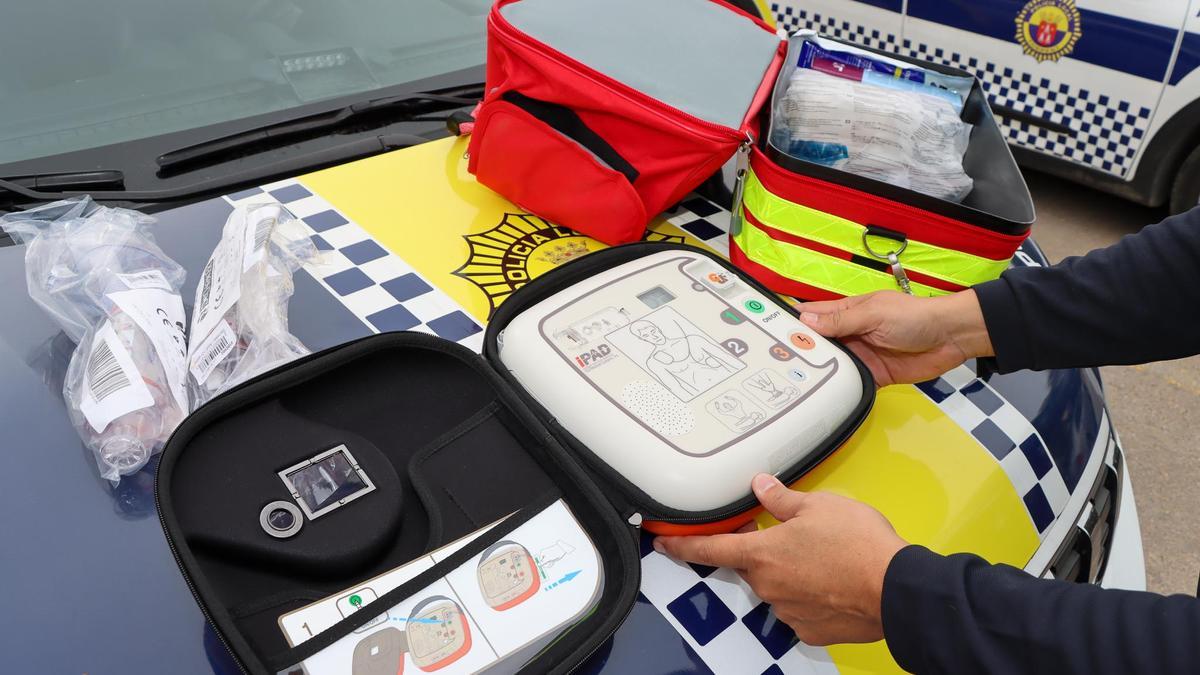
(635, 520)
(739, 184)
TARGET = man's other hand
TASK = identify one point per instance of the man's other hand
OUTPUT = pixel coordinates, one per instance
(901, 338)
(821, 568)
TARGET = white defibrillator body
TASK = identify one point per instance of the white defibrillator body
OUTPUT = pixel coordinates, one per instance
(682, 377)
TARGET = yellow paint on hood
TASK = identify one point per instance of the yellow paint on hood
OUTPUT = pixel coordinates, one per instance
(937, 486)
(476, 246)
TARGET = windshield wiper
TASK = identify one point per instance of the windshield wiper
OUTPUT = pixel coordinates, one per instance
(65, 181)
(358, 148)
(410, 107)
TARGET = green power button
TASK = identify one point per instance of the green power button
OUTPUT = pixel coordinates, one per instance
(755, 306)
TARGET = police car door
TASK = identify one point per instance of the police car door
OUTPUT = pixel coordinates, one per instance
(1078, 80)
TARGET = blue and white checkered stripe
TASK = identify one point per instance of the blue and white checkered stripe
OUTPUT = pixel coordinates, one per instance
(724, 622)
(382, 290)
(1107, 130)
(703, 220)
(1010, 438)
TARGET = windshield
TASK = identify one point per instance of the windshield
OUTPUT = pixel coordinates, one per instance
(80, 74)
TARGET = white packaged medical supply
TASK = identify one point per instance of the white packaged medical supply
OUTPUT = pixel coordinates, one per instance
(101, 277)
(904, 138)
(239, 318)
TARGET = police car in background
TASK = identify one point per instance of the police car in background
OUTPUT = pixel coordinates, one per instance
(1101, 92)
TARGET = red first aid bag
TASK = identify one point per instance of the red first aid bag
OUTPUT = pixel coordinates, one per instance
(818, 233)
(600, 114)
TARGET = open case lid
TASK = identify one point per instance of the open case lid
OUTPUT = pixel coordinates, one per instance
(677, 378)
(408, 464)
(999, 200)
(663, 50)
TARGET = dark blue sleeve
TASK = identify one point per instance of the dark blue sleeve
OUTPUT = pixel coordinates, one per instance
(959, 614)
(1133, 302)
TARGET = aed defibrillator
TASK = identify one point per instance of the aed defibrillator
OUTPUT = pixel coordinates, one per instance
(681, 376)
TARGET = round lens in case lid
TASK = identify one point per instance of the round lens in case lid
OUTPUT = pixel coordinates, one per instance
(281, 519)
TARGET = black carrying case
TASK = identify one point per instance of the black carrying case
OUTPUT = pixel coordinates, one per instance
(452, 445)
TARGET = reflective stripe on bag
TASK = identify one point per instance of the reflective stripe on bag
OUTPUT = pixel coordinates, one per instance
(823, 271)
(942, 269)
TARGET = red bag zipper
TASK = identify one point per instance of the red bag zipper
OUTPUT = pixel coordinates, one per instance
(502, 27)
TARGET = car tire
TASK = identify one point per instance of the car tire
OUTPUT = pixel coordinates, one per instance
(1185, 191)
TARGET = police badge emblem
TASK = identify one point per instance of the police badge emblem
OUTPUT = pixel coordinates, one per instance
(1047, 30)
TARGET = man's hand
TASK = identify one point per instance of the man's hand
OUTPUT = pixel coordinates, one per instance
(904, 339)
(821, 568)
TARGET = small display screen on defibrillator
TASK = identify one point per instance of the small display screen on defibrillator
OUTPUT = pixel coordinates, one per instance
(326, 481)
(656, 297)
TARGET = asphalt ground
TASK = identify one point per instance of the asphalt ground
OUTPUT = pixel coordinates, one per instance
(1155, 406)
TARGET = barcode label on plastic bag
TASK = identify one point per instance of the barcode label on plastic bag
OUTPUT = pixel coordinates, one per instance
(146, 279)
(220, 286)
(211, 351)
(261, 230)
(260, 222)
(104, 373)
(112, 385)
(159, 313)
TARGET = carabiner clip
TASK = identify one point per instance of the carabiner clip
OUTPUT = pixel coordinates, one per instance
(891, 257)
(739, 184)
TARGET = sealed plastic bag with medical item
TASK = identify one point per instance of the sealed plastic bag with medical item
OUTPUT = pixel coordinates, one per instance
(239, 319)
(98, 273)
(851, 62)
(905, 137)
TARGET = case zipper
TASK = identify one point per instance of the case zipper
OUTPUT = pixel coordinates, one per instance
(503, 27)
(187, 579)
(739, 184)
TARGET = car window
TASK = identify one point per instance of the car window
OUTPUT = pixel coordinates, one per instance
(79, 74)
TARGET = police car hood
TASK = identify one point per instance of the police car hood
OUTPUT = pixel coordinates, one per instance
(957, 464)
